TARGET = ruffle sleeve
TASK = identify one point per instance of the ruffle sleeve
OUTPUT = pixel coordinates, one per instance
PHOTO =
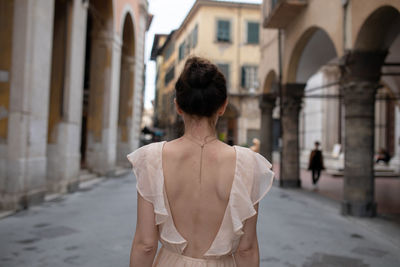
(253, 179)
(262, 178)
(149, 180)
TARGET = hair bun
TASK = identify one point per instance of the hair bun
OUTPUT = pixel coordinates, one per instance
(201, 87)
(200, 73)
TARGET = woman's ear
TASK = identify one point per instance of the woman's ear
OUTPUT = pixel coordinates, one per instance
(222, 109)
(178, 109)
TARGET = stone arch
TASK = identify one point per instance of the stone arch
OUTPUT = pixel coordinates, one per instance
(313, 49)
(379, 30)
(126, 94)
(127, 11)
(270, 82)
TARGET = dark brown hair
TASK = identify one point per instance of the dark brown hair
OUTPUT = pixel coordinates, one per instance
(201, 88)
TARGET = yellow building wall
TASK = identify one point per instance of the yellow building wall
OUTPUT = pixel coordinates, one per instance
(237, 53)
(6, 22)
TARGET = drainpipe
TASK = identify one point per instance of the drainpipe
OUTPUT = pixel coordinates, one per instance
(280, 97)
(345, 4)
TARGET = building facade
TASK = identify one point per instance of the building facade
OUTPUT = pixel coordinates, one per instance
(227, 33)
(71, 90)
(334, 65)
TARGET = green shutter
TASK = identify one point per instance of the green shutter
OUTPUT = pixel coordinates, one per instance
(195, 30)
(253, 32)
(223, 31)
(243, 83)
(224, 68)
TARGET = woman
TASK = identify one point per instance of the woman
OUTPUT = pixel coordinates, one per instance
(197, 195)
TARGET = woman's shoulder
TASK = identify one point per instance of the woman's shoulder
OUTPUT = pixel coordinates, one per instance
(249, 155)
(146, 150)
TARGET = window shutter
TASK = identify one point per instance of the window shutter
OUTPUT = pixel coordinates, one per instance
(224, 68)
(195, 30)
(223, 30)
(243, 83)
(253, 32)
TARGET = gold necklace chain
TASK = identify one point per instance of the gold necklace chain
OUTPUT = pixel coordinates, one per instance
(201, 153)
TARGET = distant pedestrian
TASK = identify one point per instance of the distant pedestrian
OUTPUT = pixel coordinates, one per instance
(316, 163)
(256, 145)
(383, 156)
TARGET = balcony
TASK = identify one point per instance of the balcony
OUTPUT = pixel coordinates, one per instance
(279, 13)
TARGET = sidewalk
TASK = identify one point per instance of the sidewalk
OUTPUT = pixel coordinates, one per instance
(387, 190)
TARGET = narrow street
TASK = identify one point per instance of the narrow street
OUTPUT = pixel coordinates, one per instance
(94, 227)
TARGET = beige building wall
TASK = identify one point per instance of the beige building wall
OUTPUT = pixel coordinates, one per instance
(236, 53)
(43, 103)
(345, 27)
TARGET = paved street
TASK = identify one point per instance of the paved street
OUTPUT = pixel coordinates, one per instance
(95, 228)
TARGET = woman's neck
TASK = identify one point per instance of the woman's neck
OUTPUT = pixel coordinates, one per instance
(200, 129)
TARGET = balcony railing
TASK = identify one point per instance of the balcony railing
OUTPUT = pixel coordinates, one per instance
(279, 13)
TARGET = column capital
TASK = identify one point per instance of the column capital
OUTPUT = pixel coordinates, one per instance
(292, 97)
(128, 60)
(107, 37)
(362, 66)
(267, 101)
(359, 92)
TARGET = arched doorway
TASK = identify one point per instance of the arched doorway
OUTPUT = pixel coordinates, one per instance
(126, 93)
(98, 132)
(270, 126)
(313, 50)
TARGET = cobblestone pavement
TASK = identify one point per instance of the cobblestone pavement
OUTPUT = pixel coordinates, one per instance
(95, 228)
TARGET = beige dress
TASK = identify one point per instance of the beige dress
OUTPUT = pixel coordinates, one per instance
(252, 180)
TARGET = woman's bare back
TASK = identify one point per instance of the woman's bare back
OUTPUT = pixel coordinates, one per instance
(198, 204)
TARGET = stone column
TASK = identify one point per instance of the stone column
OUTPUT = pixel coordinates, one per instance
(139, 82)
(361, 74)
(103, 102)
(29, 94)
(267, 104)
(126, 111)
(290, 161)
(64, 154)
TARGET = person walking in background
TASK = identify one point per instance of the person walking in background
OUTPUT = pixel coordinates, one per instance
(197, 195)
(256, 145)
(316, 163)
(383, 156)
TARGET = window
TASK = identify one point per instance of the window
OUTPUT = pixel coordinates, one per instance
(223, 31)
(224, 68)
(194, 36)
(169, 51)
(249, 77)
(169, 76)
(182, 51)
(253, 32)
(188, 45)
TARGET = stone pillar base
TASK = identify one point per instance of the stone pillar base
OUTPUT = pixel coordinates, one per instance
(22, 201)
(359, 209)
(73, 186)
(289, 183)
